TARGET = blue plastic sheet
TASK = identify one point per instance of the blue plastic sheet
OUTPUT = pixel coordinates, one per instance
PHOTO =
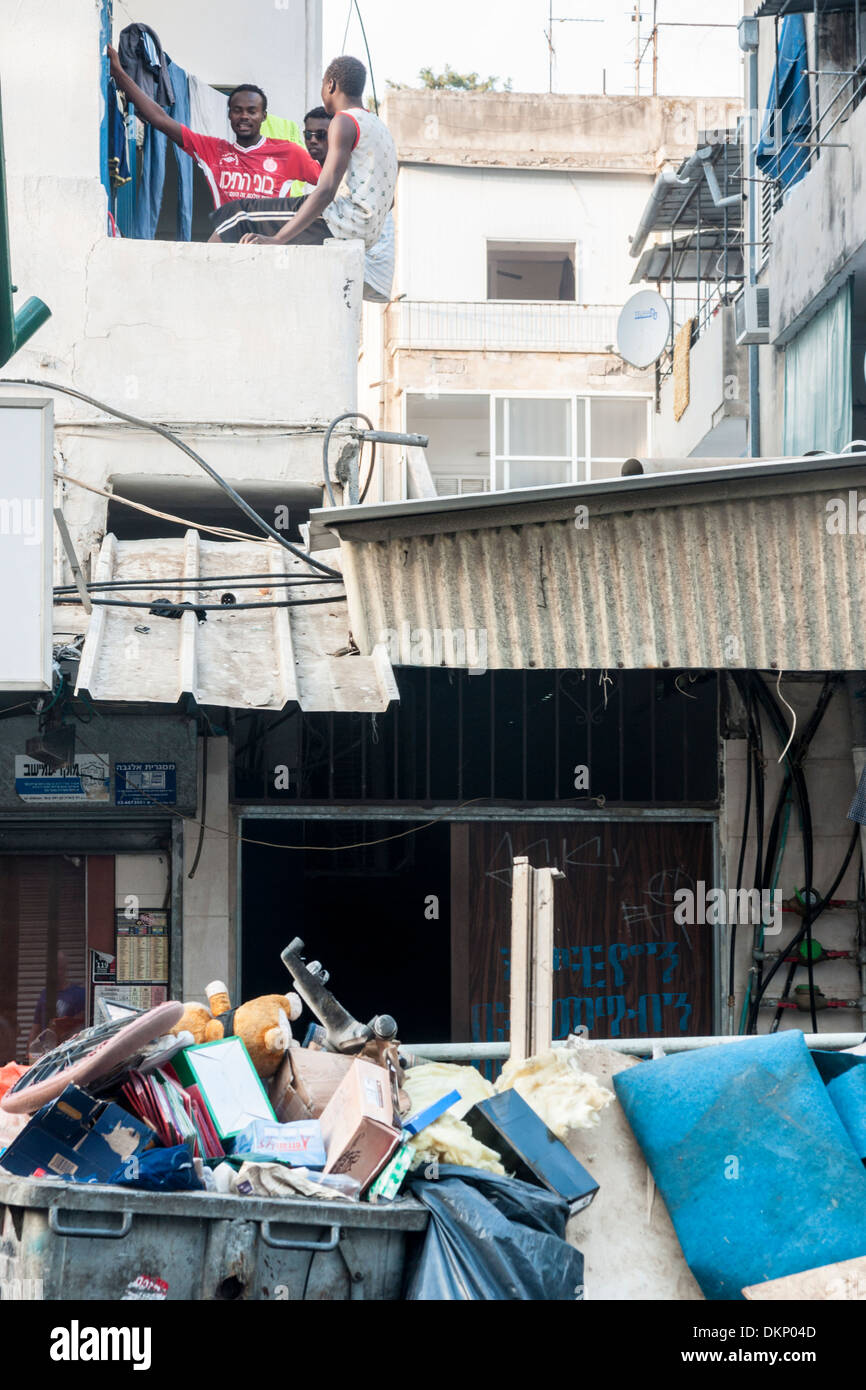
(492, 1238)
(756, 1168)
(845, 1079)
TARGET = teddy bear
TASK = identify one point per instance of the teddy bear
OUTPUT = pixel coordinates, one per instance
(263, 1024)
(194, 1019)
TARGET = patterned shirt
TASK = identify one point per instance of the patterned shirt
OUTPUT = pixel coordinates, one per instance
(366, 194)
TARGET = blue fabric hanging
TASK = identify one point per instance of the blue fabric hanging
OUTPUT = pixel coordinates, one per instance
(150, 188)
(782, 153)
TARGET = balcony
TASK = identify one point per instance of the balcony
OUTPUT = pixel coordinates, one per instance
(503, 326)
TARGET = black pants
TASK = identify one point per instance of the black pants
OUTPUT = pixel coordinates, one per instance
(267, 216)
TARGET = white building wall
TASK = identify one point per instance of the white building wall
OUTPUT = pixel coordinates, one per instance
(250, 351)
(277, 44)
(447, 215)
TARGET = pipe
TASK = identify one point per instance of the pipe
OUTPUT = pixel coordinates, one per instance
(666, 180)
(631, 1047)
(633, 467)
(15, 329)
(748, 36)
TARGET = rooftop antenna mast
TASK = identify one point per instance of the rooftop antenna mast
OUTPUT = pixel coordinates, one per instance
(559, 19)
(641, 47)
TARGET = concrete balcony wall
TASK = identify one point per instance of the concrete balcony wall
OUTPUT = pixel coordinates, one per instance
(715, 422)
(818, 237)
(248, 351)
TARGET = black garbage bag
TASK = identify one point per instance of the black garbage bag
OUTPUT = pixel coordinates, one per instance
(492, 1238)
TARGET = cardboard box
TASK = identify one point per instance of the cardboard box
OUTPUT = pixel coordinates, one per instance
(298, 1143)
(357, 1123)
(77, 1137)
(305, 1082)
(229, 1084)
(529, 1150)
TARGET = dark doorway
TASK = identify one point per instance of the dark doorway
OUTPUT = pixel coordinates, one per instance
(363, 896)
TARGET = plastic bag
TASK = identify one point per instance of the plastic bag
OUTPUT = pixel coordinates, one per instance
(493, 1238)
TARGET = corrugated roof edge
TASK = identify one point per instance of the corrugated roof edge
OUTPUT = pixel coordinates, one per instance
(520, 506)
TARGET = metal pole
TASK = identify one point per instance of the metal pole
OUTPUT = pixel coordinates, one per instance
(631, 1047)
(655, 49)
(749, 44)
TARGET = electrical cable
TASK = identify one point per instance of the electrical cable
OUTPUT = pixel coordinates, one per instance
(815, 912)
(199, 846)
(172, 438)
(765, 697)
(740, 863)
(369, 59)
(326, 474)
(225, 532)
(220, 581)
(207, 607)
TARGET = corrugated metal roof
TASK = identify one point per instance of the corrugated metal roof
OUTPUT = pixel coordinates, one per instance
(253, 659)
(732, 567)
(655, 261)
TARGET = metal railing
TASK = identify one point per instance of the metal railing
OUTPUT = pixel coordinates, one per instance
(508, 325)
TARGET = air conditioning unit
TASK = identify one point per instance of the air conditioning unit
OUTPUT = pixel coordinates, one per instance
(752, 315)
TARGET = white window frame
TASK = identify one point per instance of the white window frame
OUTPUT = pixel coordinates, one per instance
(580, 465)
(529, 242)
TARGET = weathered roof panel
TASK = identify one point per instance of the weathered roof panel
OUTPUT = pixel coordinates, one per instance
(244, 659)
(727, 568)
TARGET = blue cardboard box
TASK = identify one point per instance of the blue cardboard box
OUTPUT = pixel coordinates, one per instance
(76, 1137)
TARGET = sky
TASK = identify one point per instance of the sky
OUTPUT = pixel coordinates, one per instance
(507, 39)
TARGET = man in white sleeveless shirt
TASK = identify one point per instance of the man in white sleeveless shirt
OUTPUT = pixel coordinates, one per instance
(356, 187)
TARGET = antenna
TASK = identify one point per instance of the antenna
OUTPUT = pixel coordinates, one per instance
(560, 19)
(643, 328)
(657, 24)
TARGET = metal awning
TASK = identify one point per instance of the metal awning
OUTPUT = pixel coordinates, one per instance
(767, 9)
(733, 567)
(258, 658)
(655, 262)
(684, 198)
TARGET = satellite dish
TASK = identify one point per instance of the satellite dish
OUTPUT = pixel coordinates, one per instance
(643, 328)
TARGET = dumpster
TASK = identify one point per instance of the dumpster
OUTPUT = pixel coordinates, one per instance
(60, 1240)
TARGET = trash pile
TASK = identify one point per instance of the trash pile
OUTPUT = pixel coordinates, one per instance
(221, 1100)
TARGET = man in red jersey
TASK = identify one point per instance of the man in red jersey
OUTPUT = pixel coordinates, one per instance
(250, 178)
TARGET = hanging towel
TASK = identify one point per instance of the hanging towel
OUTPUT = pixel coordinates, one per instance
(208, 110)
(150, 188)
(141, 56)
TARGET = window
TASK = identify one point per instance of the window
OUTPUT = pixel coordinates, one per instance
(542, 270)
(458, 428)
(536, 441)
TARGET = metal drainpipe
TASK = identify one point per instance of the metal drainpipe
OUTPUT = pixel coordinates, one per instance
(748, 36)
(855, 684)
(15, 329)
